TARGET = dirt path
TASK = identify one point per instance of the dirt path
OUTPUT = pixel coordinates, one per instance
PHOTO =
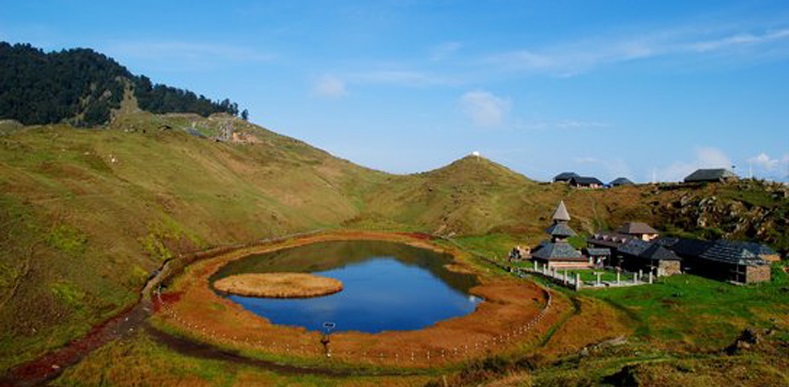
(52, 364)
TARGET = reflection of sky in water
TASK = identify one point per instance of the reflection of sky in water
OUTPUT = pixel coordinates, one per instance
(379, 294)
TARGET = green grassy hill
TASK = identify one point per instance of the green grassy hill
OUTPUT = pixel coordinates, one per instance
(86, 215)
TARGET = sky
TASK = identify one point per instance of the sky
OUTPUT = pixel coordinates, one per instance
(648, 90)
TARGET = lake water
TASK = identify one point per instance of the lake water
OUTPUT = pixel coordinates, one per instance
(387, 286)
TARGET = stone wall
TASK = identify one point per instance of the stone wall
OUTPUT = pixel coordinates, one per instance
(757, 273)
(667, 268)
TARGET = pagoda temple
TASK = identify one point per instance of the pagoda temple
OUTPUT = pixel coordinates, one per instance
(558, 252)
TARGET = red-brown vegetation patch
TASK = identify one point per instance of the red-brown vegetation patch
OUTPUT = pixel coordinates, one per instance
(417, 235)
(158, 300)
(512, 315)
(593, 322)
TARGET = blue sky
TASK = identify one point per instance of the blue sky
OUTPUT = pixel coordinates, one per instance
(639, 89)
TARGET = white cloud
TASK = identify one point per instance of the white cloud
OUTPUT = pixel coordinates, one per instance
(444, 50)
(706, 157)
(764, 161)
(329, 86)
(485, 109)
(764, 166)
(738, 40)
(572, 58)
(709, 157)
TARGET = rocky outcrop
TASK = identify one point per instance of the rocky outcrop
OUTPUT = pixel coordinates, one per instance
(746, 210)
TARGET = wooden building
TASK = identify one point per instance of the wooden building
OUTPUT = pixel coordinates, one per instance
(599, 256)
(639, 230)
(564, 177)
(585, 182)
(610, 240)
(648, 257)
(558, 252)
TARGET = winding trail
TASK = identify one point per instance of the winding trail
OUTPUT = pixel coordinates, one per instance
(51, 364)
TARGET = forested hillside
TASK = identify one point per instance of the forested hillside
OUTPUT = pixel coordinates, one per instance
(81, 87)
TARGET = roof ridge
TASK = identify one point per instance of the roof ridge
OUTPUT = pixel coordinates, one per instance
(561, 212)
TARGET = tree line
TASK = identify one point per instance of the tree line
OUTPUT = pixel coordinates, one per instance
(81, 86)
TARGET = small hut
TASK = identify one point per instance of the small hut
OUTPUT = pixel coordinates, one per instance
(639, 230)
(620, 181)
(719, 175)
(585, 182)
(564, 177)
(649, 257)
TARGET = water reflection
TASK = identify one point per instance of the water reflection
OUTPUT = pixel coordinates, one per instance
(388, 286)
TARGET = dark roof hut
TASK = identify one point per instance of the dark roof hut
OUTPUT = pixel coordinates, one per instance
(586, 182)
(620, 181)
(711, 175)
(650, 257)
(640, 230)
(564, 177)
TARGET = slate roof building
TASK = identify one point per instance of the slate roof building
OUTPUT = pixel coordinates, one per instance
(639, 230)
(620, 181)
(585, 182)
(648, 257)
(610, 240)
(600, 256)
(711, 175)
(685, 248)
(762, 251)
(723, 260)
(564, 177)
(558, 252)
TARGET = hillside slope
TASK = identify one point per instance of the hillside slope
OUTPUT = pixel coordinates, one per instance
(86, 215)
(472, 195)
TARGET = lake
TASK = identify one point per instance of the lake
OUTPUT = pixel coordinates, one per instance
(387, 286)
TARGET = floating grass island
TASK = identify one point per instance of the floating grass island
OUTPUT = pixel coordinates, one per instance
(279, 285)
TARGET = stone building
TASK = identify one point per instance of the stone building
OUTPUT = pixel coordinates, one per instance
(723, 260)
